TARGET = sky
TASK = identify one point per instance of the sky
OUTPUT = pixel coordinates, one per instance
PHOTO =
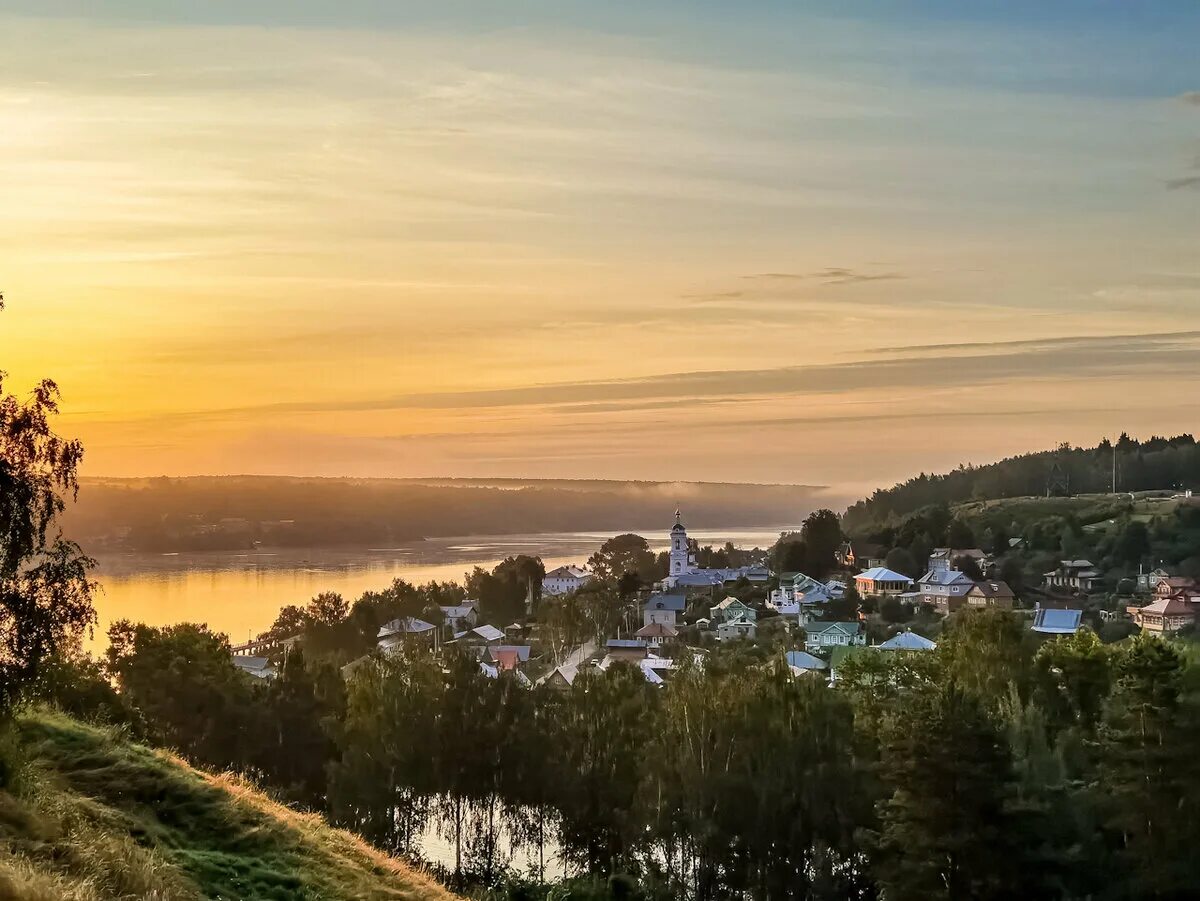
(820, 243)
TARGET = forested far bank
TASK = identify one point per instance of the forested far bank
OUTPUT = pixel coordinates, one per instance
(242, 512)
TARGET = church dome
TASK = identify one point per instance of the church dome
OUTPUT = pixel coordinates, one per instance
(678, 527)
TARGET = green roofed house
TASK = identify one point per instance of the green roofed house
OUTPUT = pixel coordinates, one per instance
(731, 610)
(823, 636)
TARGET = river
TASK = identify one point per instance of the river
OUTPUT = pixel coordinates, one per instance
(240, 593)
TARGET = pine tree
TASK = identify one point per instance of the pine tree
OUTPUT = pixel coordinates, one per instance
(1148, 779)
(946, 829)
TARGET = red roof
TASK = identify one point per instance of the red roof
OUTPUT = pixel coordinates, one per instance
(506, 660)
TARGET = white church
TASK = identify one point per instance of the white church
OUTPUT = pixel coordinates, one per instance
(683, 572)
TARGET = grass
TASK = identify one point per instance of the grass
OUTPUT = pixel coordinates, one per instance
(92, 816)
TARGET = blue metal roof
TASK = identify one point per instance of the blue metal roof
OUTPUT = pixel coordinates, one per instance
(802, 660)
(1057, 622)
(667, 601)
(908, 641)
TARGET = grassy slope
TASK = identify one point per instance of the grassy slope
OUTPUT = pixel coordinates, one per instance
(94, 817)
(1090, 509)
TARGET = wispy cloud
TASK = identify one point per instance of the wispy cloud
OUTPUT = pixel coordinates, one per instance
(831, 276)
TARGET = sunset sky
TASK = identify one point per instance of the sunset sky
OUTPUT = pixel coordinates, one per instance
(828, 243)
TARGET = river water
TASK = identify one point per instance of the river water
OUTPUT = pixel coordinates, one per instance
(240, 593)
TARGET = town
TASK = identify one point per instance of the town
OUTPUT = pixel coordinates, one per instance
(857, 604)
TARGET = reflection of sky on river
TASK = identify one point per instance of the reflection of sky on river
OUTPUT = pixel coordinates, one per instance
(240, 593)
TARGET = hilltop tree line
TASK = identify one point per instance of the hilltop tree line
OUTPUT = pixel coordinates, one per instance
(1150, 465)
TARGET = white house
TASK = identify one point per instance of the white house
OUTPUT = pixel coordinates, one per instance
(406, 628)
(736, 628)
(565, 579)
(664, 608)
(460, 616)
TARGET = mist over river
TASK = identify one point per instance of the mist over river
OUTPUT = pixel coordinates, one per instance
(240, 593)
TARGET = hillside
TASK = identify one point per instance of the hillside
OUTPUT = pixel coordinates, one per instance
(93, 817)
(1155, 464)
(239, 512)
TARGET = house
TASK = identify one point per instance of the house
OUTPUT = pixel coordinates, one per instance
(945, 589)
(1149, 581)
(799, 596)
(733, 609)
(801, 663)
(882, 582)
(822, 636)
(732, 629)
(562, 678)
(665, 608)
(655, 635)
(907, 641)
(565, 579)
(657, 670)
(405, 629)
(1165, 616)
(1054, 621)
(627, 649)
(505, 652)
(861, 555)
(1079, 576)
(991, 593)
(461, 616)
(944, 558)
(258, 667)
(1174, 586)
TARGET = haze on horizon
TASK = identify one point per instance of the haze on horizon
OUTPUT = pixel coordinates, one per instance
(828, 243)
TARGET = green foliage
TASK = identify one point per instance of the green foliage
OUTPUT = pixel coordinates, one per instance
(185, 688)
(947, 829)
(1148, 777)
(623, 554)
(45, 591)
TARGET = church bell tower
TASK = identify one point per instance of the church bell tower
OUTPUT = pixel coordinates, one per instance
(679, 548)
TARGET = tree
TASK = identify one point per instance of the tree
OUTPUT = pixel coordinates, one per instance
(1133, 543)
(45, 591)
(946, 830)
(1072, 679)
(822, 536)
(960, 535)
(969, 567)
(622, 554)
(901, 560)
(790, 554)
(188, 694)
(984, 652)
(598, 754)
(383, 778)
(328, 608)
(293, 746)
(1148, 778)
